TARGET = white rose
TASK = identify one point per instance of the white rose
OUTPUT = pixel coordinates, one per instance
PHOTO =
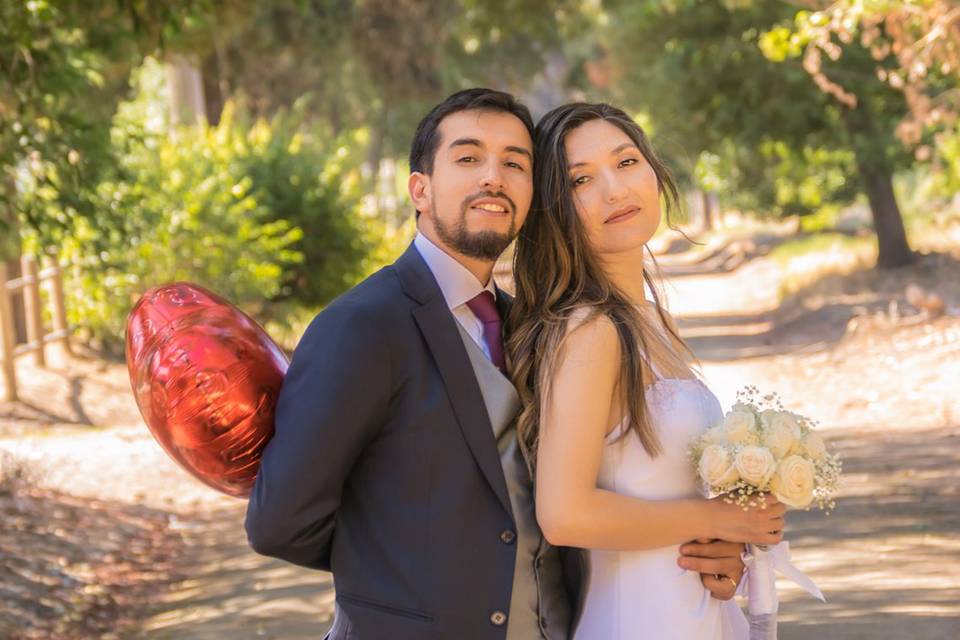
(814, 447)
(781, 434)
(739, 427)
(766, 416)
(793, 482)
(755, 465)
(716, 467)
(771, 419)
(714, 435)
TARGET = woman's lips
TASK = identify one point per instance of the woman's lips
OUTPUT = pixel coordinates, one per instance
(620, 216)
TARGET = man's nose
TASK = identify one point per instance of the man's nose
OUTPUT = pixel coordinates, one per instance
(492, 179)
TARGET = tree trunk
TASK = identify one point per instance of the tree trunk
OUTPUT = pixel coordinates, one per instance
(887, 221)
(876, 174)
(375, 153)
(707, 211)
(10, 252)
(185, 86)
(212, 77)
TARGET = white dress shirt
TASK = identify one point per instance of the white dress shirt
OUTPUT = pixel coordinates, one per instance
(458, 286)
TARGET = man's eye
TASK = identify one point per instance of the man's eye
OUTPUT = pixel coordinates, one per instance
(626, 162)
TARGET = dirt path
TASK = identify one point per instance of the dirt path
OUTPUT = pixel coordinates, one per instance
(888, 559)
(216, 587)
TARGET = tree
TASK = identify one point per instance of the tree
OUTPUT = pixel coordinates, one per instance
(922, 35)
(712, 73)
(64, 67)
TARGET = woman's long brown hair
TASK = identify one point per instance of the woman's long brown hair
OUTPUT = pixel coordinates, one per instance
(557, 272)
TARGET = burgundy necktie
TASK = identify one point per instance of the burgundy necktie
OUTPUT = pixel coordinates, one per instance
(484, 306)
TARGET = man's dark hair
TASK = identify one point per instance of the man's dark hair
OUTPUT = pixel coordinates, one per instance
(423, 150)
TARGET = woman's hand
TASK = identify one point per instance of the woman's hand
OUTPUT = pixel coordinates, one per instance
(760, 524)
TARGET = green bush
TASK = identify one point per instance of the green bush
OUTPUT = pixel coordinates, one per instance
(258, 211)
(178, 209)
(304, 175)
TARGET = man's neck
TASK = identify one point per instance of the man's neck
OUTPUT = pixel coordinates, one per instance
(481, 269)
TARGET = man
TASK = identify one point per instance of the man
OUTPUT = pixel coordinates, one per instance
(395, 463)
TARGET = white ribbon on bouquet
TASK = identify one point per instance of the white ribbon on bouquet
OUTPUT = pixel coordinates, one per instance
(763, 563)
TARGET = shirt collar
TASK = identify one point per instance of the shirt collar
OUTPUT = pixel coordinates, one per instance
(457, 284)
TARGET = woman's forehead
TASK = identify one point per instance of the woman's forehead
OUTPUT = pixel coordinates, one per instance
(595, 140)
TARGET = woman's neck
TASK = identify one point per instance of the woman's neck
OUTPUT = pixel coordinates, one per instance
(625, 270)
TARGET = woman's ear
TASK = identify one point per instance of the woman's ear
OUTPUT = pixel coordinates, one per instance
(418, 185)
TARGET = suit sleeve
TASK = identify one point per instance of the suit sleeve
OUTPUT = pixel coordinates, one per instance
(333, 402)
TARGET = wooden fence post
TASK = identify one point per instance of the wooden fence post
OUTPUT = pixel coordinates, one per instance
(56, 301)
(7, 339)
(33, 309)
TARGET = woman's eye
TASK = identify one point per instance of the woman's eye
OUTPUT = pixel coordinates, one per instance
(467, 159)
(581, 181)
(515, 165)
(626, 162)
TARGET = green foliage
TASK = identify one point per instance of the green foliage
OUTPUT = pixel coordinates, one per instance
(179, 209)
(51, 125)
(725, 78)
(949, 147)
(776, 180)
(306, 176)
(64, 66)
(256, 210)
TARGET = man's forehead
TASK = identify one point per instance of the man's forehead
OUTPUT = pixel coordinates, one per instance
(491, 128)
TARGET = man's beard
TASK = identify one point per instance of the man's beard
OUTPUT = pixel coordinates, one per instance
(483, 245)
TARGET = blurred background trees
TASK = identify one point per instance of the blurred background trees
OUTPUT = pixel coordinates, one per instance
(259, 148)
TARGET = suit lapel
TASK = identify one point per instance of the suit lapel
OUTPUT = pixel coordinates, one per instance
(437, 326)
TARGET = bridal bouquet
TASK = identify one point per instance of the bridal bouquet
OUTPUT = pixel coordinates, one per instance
(761, 448)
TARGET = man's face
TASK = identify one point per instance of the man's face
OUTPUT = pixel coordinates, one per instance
(479, 193)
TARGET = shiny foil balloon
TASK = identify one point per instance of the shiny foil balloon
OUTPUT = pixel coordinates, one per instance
(206, 378)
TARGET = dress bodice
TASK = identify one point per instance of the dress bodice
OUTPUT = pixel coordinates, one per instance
(645, 595)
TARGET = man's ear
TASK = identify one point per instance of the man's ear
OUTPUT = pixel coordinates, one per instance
(418, 185)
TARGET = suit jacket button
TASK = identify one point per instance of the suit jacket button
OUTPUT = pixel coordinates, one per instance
(498, 618)
(507, 536)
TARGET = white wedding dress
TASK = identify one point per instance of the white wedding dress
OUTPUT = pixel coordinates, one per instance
(645, 595)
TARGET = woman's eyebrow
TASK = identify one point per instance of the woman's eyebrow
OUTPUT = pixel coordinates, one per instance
(616, 150)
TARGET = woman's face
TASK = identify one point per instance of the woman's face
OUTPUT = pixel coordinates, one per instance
(614, 187)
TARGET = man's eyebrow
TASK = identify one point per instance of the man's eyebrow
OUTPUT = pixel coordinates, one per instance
(459, 142)
(473, 142)
(616, 150)
(521, 151)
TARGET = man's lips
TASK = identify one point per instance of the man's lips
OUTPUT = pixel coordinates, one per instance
(491, 206)
(624, 213)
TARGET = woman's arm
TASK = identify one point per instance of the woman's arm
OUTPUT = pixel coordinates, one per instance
(571, 510)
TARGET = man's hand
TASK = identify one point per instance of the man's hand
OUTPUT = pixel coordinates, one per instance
(718, 563)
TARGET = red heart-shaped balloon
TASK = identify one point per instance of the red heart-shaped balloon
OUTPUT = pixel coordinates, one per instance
(206, 378)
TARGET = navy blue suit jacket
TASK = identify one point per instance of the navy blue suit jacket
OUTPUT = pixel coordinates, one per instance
(384, 468)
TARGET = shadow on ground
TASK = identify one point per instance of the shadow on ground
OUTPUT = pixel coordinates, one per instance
(820, 315)
(230, 587)
(680, 259)
(76, 568)
(886, 558)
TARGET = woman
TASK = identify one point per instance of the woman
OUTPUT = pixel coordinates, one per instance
(611, 402)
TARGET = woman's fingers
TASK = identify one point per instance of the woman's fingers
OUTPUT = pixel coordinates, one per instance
(770, 538)
(715, 549)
